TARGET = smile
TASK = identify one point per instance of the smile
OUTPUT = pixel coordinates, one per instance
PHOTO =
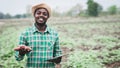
(41, 19)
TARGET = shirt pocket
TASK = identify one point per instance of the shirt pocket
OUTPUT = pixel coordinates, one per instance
(50, 44)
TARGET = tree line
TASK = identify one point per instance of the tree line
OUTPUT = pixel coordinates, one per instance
(93, 9)
(8, 16)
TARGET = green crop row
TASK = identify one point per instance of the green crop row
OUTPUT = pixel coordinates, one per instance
(94, 44)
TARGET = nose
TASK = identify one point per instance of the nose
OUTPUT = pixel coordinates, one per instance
(41, 14)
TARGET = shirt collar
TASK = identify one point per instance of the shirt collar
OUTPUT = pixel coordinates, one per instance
(47, 30)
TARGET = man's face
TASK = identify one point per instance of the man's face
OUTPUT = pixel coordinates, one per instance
(41, 15)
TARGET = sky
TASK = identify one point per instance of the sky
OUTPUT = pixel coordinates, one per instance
(14, 7)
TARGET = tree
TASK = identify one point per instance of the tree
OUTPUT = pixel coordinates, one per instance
(18, 16)
(100, 8)
(93, 8)
(24, 15)
(118, 10)
(112, 9)
(7, 16)
(1, 15)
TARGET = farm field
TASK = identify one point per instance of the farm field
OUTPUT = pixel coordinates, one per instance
(87, 42)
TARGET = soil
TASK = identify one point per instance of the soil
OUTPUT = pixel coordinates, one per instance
(1, 23)
(113, 65)
(66, 52)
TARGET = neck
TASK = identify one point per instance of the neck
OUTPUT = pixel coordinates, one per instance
(41, 27)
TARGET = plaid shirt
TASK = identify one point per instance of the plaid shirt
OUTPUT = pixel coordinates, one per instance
(44, 46)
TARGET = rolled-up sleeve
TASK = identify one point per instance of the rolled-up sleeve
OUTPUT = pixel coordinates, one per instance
(57, 49)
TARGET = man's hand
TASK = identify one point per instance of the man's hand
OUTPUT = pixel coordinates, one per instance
(22, 49)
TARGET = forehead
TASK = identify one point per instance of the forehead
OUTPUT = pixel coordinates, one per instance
(41, 10)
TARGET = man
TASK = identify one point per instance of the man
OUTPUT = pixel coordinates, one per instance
(39, 42)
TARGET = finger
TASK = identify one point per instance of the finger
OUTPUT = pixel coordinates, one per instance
(17, 48)
(28, 48)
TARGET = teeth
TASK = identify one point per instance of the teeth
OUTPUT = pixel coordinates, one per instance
(41, 19)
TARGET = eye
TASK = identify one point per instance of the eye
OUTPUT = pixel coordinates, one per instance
(38, 13)
(45, 14)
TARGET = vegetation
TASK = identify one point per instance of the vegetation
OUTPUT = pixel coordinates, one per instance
(91, 42)
(8, 16)
(112, 9)
(92, 8)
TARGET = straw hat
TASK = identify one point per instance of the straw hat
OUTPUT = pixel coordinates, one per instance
(42, 5)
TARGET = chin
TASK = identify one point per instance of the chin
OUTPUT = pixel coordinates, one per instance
(40, 24)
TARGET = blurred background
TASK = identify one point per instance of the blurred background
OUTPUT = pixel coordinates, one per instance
(89, 31)
(22, 9)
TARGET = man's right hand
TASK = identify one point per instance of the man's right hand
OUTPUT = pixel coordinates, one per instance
(22, 49)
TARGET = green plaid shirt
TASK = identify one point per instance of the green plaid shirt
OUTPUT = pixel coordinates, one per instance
(44, 46)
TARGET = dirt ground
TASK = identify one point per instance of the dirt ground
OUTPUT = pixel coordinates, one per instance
(66, 52)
